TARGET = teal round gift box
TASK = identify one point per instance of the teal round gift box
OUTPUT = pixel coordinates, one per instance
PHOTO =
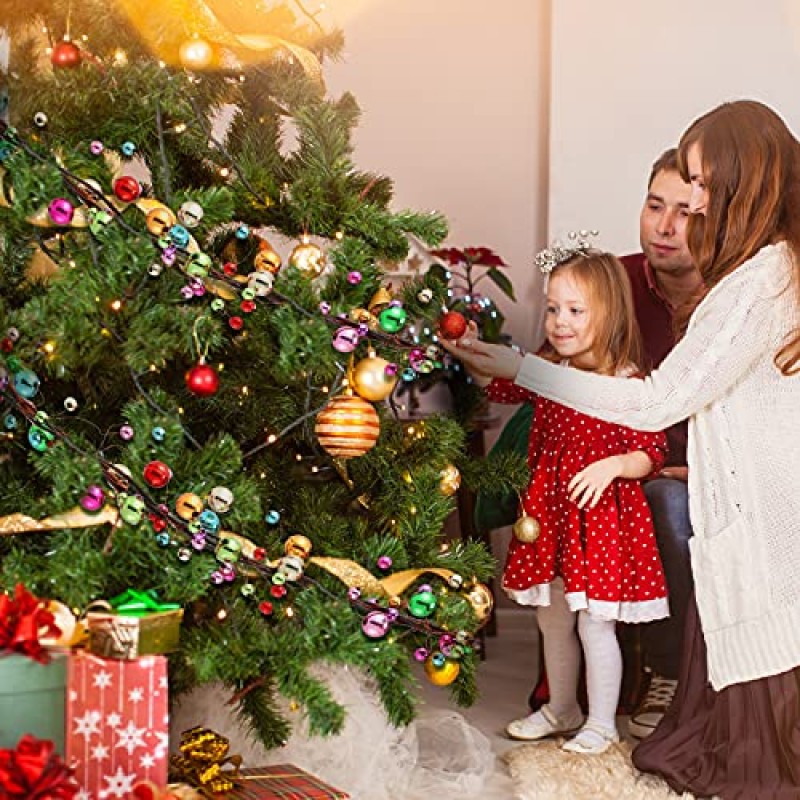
(32, 699)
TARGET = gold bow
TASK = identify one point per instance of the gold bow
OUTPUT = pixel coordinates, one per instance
(203, 755)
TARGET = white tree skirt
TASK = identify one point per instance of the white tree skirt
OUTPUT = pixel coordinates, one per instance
(440, 756)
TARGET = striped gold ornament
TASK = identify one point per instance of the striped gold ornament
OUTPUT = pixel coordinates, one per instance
(347, 427)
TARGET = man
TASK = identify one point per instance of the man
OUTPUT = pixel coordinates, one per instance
(663, 279)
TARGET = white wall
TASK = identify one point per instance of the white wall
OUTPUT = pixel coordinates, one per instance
(455, 111)
(627, 78)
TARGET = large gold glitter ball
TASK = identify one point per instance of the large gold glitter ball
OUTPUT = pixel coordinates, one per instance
(347, 427)
(309, 259)
(526, 529)
(450, 480)
(482, 601)
(444, 675)
(371, 380)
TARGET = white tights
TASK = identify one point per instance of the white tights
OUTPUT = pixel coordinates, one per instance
(562, 652)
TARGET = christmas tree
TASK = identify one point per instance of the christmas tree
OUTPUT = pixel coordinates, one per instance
(186, 412)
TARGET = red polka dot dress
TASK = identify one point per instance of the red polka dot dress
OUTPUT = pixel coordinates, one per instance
(607, 555)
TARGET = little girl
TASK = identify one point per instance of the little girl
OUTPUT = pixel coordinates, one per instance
(595, 556)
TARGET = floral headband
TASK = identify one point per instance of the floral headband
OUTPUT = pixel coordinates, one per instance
(549, 258)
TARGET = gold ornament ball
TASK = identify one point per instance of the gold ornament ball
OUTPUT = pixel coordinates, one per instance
(188, 506)
(309, 259)
(371, 381)
(159, 220)
(450, 480)
(482, 602)
(444, 675)
(347, 427)
(267, 260)
(196, 54)
(526, 529)
(298, 545)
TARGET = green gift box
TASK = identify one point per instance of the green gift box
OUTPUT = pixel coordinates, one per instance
(32, 699)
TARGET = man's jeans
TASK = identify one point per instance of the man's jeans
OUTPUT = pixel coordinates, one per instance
(662, 641)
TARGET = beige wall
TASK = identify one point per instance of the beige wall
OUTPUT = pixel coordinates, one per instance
(455, 111)
(627, 78)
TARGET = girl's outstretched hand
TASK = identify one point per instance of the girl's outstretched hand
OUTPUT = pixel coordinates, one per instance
(484, 359)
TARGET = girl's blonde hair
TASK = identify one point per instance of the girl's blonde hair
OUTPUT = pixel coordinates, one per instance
(617, 342)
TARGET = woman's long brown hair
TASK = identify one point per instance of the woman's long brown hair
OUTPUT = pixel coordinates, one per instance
(751, 168)
(617, 342)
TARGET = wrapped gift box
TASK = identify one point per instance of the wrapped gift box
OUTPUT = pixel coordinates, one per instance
(32, 699)
(117, 723)
(113, 635)
(133, 624)
(283, 782)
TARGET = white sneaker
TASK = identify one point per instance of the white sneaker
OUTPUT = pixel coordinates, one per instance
(652, 708)
(544, 723)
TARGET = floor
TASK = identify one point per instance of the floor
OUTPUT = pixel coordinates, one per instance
(505, 677)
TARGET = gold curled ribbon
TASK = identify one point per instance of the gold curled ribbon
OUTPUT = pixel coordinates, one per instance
(76, 518)
(203, 755)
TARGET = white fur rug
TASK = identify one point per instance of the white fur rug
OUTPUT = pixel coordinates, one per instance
(543, 771)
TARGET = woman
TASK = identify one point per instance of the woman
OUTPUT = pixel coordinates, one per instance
(736, 375)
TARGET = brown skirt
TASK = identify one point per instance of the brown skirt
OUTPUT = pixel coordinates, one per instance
(742, 743)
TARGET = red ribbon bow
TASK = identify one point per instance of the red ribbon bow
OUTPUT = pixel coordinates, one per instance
(35, 772)
(24, 619)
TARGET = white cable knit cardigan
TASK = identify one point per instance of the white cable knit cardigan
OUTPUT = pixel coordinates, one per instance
(744, 459)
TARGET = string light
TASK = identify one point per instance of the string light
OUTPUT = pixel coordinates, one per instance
(116, 305)
(272, 438)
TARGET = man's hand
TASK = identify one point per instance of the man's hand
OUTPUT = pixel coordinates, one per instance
(678, 473)
(586, 488)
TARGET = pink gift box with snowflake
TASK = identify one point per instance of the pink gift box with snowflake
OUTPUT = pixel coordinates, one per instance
(117, 724)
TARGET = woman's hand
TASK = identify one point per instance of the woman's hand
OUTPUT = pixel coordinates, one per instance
(484, 360)
(587, 487)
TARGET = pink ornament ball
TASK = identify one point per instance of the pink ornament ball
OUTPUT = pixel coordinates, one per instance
(61, 211)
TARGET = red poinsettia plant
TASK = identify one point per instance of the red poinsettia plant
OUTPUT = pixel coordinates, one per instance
(467, 268)
(24, 621)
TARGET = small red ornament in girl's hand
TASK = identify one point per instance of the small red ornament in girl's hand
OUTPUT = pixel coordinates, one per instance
(452, 325)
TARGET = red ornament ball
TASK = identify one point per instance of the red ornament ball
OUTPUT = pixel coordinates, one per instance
(127, 188)
(157, 474)
(452, 325)
(202, 380)
(65, 55)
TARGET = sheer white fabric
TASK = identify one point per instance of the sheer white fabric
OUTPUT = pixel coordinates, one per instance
(439, 755)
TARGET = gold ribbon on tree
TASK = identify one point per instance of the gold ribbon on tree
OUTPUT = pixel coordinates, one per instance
(161, 22)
